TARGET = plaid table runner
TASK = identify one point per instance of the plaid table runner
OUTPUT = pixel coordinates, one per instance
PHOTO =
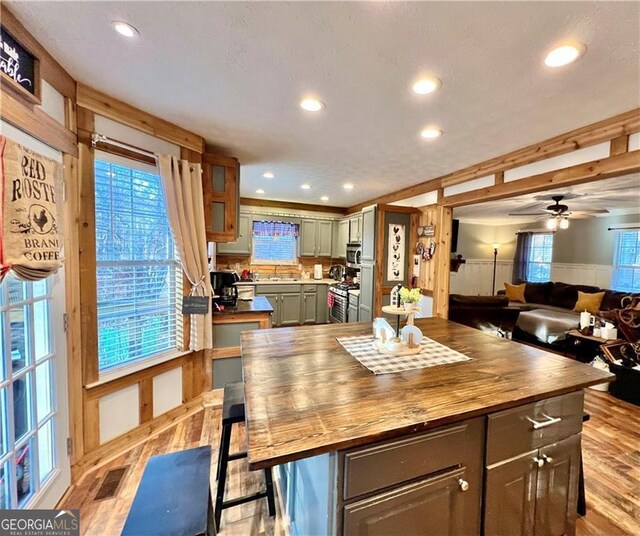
(433, 353)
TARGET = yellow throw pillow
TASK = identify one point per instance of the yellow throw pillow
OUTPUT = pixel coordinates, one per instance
(589, 302)
(515, 292)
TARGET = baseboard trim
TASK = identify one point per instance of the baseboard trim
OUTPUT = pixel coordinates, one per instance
(109, 451)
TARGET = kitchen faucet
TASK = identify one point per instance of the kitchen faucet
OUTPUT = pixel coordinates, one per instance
(275, 269)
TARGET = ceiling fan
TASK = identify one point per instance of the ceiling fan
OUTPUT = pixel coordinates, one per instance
(559, 213)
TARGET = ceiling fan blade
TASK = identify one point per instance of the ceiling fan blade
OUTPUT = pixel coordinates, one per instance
(527, 214)
(589, 211)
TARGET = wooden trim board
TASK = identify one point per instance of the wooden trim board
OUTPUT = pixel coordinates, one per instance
(50, 69)
(588, 172)
(269, 203)
(114, 448)
(112, 108)
(607, 129)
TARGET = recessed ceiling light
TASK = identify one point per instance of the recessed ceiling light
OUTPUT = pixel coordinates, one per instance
(324, 198)
(564, 54)
(125, 29)
(268, 175)
(311, 104)
(426, 85)
(259, 191)
(305, 187)
(347, 186)
(431, 133)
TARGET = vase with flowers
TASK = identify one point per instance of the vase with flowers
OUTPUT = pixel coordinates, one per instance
(410, 297)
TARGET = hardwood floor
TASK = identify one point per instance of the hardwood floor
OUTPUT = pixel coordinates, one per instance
(611, 447)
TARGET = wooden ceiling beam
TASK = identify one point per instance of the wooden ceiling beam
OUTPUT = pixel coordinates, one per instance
(605, 168)
(112, 108)
(269, 203)
(605, 130)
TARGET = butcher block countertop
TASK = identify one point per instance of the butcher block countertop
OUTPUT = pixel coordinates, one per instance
(305, 395)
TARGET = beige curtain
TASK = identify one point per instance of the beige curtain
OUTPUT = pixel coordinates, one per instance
(182, 185)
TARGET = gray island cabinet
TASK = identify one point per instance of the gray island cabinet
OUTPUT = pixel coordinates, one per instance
(488, 446)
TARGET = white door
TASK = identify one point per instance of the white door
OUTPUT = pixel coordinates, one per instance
(34, 465)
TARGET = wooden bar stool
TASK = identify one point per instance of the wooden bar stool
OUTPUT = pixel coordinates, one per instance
(232, 413)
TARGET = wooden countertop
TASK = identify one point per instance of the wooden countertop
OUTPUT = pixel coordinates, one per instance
(305, 395)
(259, 304)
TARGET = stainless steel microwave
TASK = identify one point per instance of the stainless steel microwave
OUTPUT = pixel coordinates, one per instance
(354, 254)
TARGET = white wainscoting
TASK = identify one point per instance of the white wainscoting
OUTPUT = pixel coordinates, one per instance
(474, 277)
(597, 275)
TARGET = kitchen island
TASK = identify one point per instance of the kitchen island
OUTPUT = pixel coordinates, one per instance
(228, 324)
(416, 452)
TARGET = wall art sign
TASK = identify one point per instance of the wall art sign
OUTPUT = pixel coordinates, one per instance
(18, 64)
(29, 239)
(395, 258)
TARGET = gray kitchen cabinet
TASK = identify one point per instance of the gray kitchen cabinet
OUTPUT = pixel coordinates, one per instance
(539, 482)
(324, 238)
(289, 310)
(368, 241)
(275, 303)
(367, 284)
(343, 238)
(308, 238)
(355, 224)
(352, 314)
(322, 309)
(435, 505)
(309, 308)
(316, 238)
(241, 246)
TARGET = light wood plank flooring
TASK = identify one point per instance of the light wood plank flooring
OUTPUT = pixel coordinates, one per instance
(611, 446)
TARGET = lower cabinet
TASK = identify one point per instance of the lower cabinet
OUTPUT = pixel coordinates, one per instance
(289, 309)
(309, 308)
(435, 505)
(352, 315)
(296, 304)
(532, 475)
(472, 477)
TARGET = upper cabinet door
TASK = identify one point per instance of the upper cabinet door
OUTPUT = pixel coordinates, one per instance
(241, 246)
(343, 238)
(324, 238)
(308, 238)
(221, 190)
(368, 230)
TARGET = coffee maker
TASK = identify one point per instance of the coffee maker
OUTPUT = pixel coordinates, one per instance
(223, 283)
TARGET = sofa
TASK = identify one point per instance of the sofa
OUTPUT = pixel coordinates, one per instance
(547, 316)
(486, 313)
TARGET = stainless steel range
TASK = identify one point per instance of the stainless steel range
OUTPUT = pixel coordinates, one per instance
(340, 293)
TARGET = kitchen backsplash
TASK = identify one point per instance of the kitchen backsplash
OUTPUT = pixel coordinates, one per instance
(239, 263)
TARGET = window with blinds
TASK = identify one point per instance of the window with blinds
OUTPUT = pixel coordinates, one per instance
(626, 262)
(540, 253)
(139, 279)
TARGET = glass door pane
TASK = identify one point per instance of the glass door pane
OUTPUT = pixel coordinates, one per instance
(34, 469)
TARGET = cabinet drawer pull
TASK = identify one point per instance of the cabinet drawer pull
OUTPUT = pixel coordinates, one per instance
(550, 420)
(538, 461)
(464, 485)
(547, 459)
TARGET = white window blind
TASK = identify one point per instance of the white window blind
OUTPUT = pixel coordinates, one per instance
(540, 253)
(139, 278)
(626, 262)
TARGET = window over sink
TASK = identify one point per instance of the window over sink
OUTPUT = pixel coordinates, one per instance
(275, 242)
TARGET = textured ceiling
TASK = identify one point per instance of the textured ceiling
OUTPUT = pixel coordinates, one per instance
(234, 73)
(620, 195)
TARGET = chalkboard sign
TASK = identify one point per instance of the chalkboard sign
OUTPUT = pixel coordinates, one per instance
(18, 64)
(195, 305)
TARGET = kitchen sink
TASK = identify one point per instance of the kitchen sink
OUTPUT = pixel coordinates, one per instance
(283, 279)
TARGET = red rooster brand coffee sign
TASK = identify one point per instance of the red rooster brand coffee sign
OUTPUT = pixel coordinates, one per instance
(30, 243)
